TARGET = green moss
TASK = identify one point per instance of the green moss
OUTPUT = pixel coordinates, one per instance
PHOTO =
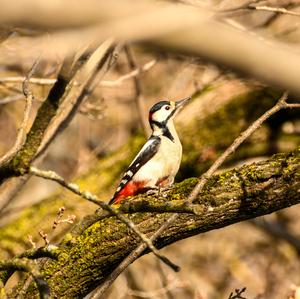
(92, 255)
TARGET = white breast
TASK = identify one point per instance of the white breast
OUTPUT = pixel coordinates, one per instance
(165, 162)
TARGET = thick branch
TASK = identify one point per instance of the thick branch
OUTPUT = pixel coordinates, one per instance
(233, 196)
(213, 130)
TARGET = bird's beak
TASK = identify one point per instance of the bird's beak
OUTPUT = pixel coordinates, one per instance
(181, 103)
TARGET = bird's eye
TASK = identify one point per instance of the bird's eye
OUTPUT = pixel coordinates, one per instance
(167, 107)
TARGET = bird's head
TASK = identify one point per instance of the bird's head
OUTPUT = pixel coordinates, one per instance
(163, 112)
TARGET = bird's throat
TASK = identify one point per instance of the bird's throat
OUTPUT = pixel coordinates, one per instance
(161, 129)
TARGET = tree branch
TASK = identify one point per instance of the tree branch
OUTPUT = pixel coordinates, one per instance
(275, 9)
(281, 104)
(51, 175)
(22, 130)
(233, 196)
(103, 83)
(26, 265)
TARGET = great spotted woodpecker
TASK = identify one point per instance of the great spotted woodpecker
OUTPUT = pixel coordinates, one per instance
(157, 163)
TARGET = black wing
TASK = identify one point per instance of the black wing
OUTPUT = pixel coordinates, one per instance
(146, 153)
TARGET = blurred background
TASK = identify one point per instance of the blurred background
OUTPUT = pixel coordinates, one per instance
(111, 125)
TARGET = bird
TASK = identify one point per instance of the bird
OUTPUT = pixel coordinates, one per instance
(157, 163)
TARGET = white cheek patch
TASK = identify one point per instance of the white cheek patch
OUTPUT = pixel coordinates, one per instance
(161, 114)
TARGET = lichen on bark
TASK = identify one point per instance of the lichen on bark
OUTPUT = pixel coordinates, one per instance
(197, 134)
(239, 194)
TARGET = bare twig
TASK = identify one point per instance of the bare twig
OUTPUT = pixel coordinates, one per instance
(10, 193)
(181, 29)
(29, 266)
(60, 213)
(51, 175)
(275, 9)
(44, 236)
(70, 219)
(238, 294)
(11, 99)
(281, 104)
(134, 73)
(38, 143)
(96, 66)
(104, 83)
(139, 100)
(291, 105)
(22, 130)
(36, 81)
(30, 239)
(273, 187)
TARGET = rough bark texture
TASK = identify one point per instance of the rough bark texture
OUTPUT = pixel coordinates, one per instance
(236, 195)
(202, 142)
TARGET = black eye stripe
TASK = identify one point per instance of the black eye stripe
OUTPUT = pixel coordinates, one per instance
(158, 106)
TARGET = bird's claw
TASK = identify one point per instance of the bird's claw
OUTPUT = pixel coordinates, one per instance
(153, 191)
(165, 191)
(159, 191)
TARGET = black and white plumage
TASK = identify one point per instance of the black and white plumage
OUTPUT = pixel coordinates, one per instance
(158, 161)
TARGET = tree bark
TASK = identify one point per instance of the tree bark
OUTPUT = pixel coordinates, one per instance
(205, 129)
(85, 259)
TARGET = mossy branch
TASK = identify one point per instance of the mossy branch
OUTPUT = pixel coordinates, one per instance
(236, 195)
(21, 161)
(31, 267)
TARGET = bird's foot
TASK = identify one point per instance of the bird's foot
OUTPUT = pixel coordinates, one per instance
(159, 191)
(153, 191)
(165, 191)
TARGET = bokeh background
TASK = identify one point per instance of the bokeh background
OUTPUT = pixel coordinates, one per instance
(108, 129)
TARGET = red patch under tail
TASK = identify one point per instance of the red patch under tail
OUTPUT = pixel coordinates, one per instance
(130, 189)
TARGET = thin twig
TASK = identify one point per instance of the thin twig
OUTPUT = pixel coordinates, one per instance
(11, 99)
(10, 194)
(136, 72)
(30, 239)
(275, 9)
(28, 104)
(104, 83)
(97, 66)
(70, 218)
(38, 143)
(293, 105)
(139, 99)
(44, 236)
(29, 266)
(238, 294)
(281, 104)
(51, 175)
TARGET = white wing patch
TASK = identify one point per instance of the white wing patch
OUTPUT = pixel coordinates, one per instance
(149, 149)
(129, 173)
